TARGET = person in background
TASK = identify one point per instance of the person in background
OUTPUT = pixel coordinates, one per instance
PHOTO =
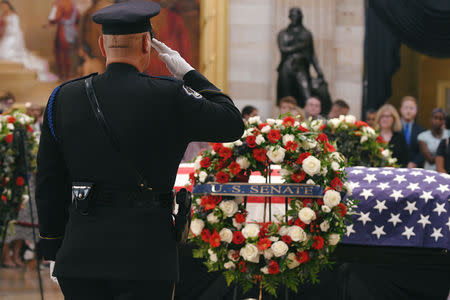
(411, 129)
(390, 127)
(371, 115)
(443, 157)
(36, 111)
(313, 108)
(287, 104)
(89, 63)
(298, 113)
(7, 101)
(339, 108)
(248, 112)
(429, 140)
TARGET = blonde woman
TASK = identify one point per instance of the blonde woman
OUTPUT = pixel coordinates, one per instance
(390, 127)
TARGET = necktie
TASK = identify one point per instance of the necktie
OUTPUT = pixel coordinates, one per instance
(408, 133)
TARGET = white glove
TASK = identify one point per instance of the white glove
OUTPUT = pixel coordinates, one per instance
(52, 266)
(173, 60)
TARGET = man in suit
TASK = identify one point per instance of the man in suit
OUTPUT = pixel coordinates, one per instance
(411, 129)
(122, 243)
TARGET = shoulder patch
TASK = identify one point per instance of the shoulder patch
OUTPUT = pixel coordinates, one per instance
(160, 77)
(191, 92)
(51, 103)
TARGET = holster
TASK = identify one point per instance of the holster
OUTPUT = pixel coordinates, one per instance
(82, 193)
(183, 217)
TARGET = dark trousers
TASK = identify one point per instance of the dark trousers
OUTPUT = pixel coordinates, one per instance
(98, 289)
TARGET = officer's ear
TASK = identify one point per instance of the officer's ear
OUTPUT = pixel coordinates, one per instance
(146, 46)
(102, 45)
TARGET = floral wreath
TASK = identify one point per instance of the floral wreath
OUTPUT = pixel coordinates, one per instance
(295, 247)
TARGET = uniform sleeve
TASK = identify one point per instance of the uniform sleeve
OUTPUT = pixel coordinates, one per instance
(53, 192)
(208, 114)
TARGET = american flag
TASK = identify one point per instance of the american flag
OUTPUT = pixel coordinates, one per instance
(398, 207)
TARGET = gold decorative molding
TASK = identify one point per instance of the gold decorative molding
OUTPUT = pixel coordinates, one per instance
(214, 41)
(442, 87)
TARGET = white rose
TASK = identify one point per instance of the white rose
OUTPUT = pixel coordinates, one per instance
(25, 199)
(278, 122)
(226, 235)
(10, 126)
(324, 171)
(228, 145)
(310, 181)
(326, 209)
(333, 239)
(212, 255)
(229, 208)
(324, 226)
(309, 144)
(331, 198)
(266, 129)
(311, 165)
(386, 153)
(276, 155)
(237, 225)
(238, 143)
(392, 160)
(211, 218)
(279, 248)
(283, 230)
(369, 131)
(335, 166)
(270, 121)
(197, 226)
(334, 123)
(268, 253)
(254, 120)
(259, 139)
(306, 215)
(232, 255)
(198, 201)
(243, 162)
(274, 238)
(288, 138)
(296, 233)
(285, 172)
(348, 188)
(350, 119)
(292, 262)
(250, 230)
(342, 118)
(202, 176)
(264, 270)
(336, 156)
(213, 152)
(250, 253)
(316, 124)
(364, 138)
(229, 265)
(197, 162)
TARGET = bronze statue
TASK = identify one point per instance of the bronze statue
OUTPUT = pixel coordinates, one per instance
(297, 54)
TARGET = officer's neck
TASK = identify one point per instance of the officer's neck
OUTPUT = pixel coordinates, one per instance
(126, 60)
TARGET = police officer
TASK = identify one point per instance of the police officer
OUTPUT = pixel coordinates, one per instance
(116, 237)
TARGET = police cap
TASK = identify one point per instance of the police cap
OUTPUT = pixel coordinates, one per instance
(126, 17)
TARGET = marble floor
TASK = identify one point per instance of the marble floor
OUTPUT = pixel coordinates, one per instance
(23, 284)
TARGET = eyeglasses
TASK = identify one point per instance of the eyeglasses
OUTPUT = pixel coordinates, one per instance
(386, 116)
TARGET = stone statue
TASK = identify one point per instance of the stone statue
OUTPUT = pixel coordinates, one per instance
(297, 54)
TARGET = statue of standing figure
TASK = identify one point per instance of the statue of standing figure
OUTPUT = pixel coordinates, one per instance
(297, 55)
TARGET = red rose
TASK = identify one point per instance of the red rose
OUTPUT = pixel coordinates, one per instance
(209, 202)
(302, 157)
(240, 218)
(320, 202)
(287, 239)
(318, 242)
(235, 168)
(263, 244)
(341, 209)
(205, 162)
(214, 239)
(322, 137)
(9, 138)
(225, 153)
(20, 181)
(262, 125)
(288, 121)
(360, 124)
(251, 141)
(298, 177)
(238, 238)
(322, 127)
(329, 147)
(217, 146)
(274, 136)
(205, 235)
(242, 266)
(260, 154)
(291, 146)
(336, 184)
(274, 268)
(222, 164)
(192, 177)
(30, 129)
(11, 119)
(306, 202)
(302, 257)
(4, 199)
(299, 222)
(302, 129)
(222, 177)
(380, 140)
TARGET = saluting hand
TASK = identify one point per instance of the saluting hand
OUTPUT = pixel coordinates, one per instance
(52, 266)
(173, 60)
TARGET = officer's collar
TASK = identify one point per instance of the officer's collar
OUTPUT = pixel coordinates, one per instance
(121, 67)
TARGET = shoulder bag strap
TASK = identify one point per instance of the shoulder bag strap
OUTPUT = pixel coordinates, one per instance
(108, 130)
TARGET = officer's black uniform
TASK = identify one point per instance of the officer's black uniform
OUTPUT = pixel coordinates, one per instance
(154, 119)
